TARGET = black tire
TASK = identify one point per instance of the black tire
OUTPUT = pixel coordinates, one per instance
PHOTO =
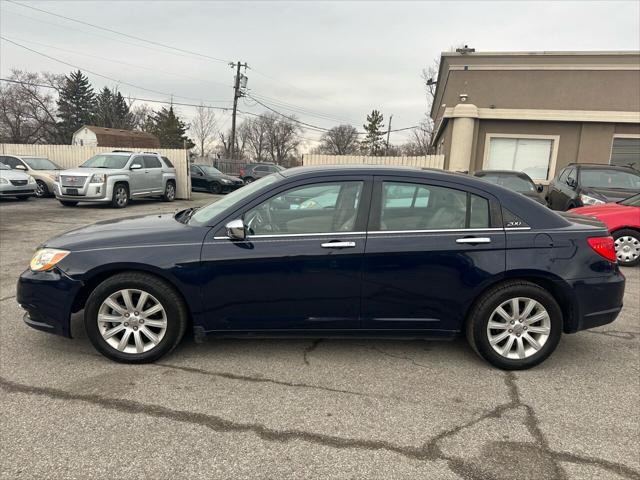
(120, 196)
(42, 190)
(68, 203)
(176, 311)
(248, 179)
(215, 188)
(632, 238)
(169, 191)
(481, 312)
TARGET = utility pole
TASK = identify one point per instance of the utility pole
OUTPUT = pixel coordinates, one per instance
(386, 150)
(237, 93)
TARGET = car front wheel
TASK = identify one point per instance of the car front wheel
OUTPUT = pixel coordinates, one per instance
(515, 326)
(120, 197)
(214, 187)
(41, 189)
(627, 244)
(134, 318)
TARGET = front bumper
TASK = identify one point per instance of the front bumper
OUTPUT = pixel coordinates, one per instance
(226, 188)
(598, 301)
(48, 299)
(90, 192)
(9, 190)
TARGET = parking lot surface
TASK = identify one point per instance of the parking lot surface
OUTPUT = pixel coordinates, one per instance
(304, 408)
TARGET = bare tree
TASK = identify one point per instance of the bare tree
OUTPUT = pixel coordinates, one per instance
(256, 132)
(419, 142)
(340, 140)
(203, 129)
(28, 108)
(140, 116)
(283, 138)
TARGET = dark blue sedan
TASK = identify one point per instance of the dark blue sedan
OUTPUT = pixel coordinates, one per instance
(343, 251)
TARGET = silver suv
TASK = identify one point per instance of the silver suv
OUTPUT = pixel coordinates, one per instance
(116, 178)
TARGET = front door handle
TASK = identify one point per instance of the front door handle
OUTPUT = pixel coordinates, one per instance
(338, 245)
(474, 240)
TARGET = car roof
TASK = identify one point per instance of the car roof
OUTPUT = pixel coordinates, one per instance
(589, 166)
(512, 173)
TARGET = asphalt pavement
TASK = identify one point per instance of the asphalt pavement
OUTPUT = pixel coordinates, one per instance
(304, 408)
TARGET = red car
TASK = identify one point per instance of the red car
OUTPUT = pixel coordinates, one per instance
(623, 221)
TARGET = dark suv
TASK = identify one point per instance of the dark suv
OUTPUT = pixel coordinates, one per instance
(254, 171)
(591, 184)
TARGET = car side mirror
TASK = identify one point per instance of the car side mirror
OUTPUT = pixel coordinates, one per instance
(236, 230)
(135, 166)
(21, 167)
(540, 188)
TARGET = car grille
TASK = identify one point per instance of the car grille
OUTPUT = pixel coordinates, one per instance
(19, 182)
(72, 181)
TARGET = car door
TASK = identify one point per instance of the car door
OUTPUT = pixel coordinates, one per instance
(300, 266)
(198, 181)
(557, 195)
(137, 177)
(430, 246)
(153, 174)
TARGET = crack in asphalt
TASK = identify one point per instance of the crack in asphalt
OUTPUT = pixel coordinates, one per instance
(7, 298)
(429, 451)
(307, 351)
(616, 334)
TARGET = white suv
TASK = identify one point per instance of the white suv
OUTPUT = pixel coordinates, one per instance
(117, 177)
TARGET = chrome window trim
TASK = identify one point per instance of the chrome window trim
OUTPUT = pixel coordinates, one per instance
(282, 235)
(442, 230)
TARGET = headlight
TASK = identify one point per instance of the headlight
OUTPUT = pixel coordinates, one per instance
(224, 180)
(46, 258)
(31, 179)
(3, 180)
(98, 178)
(587, 200)
(56, 177)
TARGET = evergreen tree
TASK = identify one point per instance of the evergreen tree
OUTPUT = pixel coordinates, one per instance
(76, 105)
(112, 110)
(171, 131)
(373, 143)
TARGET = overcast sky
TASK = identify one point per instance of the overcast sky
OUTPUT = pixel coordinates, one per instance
(332, 59)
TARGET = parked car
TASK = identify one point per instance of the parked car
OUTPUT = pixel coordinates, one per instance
(431, 269)
(254, 171)
(117, 177)
(516, 181)
(42, 169)
(210, 179)
(623, 221)
(16, 184)
(590, 184)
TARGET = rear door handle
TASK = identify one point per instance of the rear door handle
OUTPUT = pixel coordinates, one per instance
(338, 245)
(474, 240)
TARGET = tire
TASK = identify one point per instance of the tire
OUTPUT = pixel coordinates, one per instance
(627, 243)
(41, 189)
(248, 179)
(215, 188)
(173, 316)
(120, 196)
(169, 191)
(517, 333)
(68, 203)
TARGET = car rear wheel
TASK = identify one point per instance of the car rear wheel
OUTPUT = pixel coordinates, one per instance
(135, 318)
(41, 189)
(215, 188)
(515, 326)
(68, 203)
(627, 244)
(120, 197)
(169, 192)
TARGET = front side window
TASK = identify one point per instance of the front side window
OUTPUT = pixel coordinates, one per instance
(108, 161)
(408, 206)
(318, 208)
(195, 170)
(529, 155)
(609, 178)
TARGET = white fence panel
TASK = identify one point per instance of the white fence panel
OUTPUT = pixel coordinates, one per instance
(426, 161)
(70, 156)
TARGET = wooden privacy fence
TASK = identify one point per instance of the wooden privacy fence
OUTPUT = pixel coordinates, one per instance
(70, 156)
(426, 161)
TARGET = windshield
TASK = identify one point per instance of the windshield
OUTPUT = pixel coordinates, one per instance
(511, 182)
(210, 170)
(205, 214)
(39, 163)
(606, 178)
(631, 201)
(106, 161)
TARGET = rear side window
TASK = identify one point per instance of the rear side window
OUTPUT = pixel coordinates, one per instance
(168, 162)
(151, 162)
(410, 206)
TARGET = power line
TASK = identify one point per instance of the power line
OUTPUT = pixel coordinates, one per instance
(140, 39)
(293, 119)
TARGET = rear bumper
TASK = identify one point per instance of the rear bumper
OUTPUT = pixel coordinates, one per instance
(598, 301)
(48, 299)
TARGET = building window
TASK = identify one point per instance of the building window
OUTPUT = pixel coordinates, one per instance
(625, 151)
(533, 155)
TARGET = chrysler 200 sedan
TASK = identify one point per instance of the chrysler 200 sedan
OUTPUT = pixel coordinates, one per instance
(348, 251)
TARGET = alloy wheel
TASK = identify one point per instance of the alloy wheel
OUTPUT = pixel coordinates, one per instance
(171, 191)
(132, 321)
(518, 328)
(627, 248)
(121, 196)
(41, 189)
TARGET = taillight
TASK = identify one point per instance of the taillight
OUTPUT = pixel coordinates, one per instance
(604, 247)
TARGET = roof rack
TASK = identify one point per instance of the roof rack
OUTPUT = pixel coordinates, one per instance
(154, 153)
(121, 151)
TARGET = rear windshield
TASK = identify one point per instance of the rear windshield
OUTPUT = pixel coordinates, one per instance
(106, 161)
(512, 182)
(39, 163)
(606, 178)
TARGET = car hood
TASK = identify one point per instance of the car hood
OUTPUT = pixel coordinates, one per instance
(608, 209)
(156, 229)
(14, 175)
(85, 172)
(226, 177)
(609, 194)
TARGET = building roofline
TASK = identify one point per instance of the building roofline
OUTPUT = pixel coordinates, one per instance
(543, 53)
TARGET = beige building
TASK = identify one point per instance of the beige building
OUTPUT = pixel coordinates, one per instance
(537, 111)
